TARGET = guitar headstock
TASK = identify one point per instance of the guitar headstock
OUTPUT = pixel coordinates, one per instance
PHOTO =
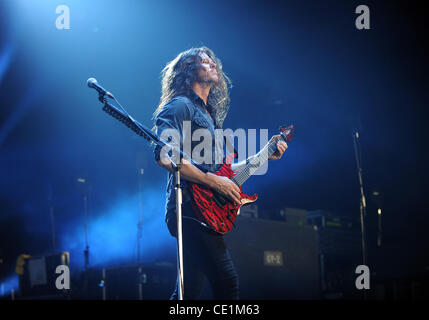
(287, 132)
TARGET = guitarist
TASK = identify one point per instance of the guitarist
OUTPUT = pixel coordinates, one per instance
(195, 89)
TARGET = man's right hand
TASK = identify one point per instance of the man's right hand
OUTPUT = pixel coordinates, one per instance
(189, 172)
(225, 186)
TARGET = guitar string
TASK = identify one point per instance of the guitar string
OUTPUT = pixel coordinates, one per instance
(242, 175)
(265, 153)
(262, 156)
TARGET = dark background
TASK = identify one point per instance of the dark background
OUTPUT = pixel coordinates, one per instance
(290, 62)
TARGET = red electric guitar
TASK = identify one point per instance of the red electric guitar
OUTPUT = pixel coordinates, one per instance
(212, 208)
(217, 211)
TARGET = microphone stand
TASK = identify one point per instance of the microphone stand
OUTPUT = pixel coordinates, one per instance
(141, 130)
(178, 190)
(362, 201)
(86, 251)
(85, 193)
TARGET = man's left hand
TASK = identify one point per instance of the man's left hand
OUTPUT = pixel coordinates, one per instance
(281, 148)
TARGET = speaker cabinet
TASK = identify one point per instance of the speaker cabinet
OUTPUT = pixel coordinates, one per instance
(275, 260)
(340, 248)
(37, 276)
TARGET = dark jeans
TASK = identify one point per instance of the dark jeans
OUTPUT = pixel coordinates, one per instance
(205, 255)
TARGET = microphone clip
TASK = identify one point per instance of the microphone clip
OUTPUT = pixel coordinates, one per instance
(102, 97)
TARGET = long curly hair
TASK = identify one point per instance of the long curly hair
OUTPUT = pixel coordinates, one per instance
(180, 73)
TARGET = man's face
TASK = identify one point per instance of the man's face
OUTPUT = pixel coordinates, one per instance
(207, 72)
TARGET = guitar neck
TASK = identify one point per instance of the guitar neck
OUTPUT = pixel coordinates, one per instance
(255, 163)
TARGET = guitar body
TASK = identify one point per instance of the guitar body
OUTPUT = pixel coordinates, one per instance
(213, 209)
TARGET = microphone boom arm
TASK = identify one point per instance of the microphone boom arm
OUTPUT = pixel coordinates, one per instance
(139, 128)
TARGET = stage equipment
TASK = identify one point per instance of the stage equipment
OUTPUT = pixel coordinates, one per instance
(132, 282)
(294, 216)
(37, 274)
(275, 260)
(249, 211)
(339, 253)
(358, 155)
(85, 189)
(140, 221)
(92, 83)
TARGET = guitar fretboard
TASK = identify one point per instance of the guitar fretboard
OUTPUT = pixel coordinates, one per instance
(255, 163)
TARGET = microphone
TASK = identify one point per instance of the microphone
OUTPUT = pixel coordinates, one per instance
(92, 83)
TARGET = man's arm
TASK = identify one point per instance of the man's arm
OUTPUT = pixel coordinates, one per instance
(191, 173)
